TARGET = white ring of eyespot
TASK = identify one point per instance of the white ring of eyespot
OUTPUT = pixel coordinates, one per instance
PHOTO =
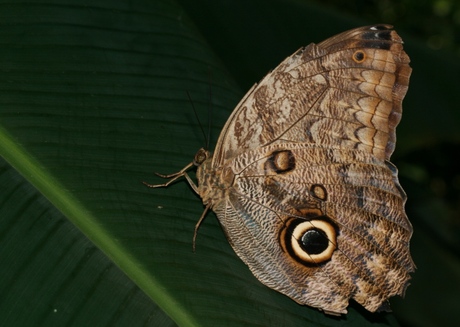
(302, 228)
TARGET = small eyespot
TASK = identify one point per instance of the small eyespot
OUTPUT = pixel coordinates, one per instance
(319, 192)
(359, 56)
(281, 161)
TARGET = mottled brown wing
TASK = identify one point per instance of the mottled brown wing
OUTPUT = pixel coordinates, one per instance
(301, 181)
(347, 199)
(345, 91)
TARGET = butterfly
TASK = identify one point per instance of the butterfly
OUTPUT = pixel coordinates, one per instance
(301, 179)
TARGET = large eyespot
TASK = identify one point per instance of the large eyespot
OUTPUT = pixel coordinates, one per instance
(281, 161)
(311, 242)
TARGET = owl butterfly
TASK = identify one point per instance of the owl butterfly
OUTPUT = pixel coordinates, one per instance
(301, 180)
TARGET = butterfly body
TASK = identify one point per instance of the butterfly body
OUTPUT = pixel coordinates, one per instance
(301, 181)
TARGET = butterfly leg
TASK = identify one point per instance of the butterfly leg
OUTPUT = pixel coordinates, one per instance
(174, 177)
(198, 224)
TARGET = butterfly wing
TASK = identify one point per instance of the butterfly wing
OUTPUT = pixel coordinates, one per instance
(300, 179)
(349, 196)
(345, 91)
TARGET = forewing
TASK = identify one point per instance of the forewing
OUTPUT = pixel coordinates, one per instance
(345, 91)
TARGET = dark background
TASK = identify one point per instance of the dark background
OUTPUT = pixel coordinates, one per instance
(93, 101)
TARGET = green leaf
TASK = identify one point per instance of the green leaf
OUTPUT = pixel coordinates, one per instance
(92, 102)
(52, 275)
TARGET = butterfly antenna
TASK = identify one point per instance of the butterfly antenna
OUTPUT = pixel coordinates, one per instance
(199, 122)
(209, 110)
